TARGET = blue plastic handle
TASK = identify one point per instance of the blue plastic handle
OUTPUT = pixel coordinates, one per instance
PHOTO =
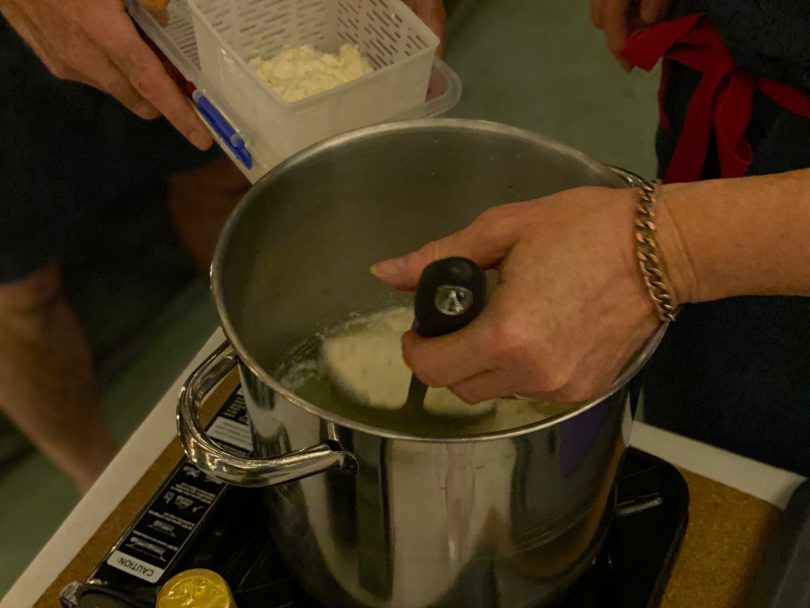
(222, 128)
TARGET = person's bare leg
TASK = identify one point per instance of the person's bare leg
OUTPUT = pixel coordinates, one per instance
(200, 202)
(47, 385)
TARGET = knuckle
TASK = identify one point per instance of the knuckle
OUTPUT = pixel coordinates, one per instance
(574, 393)
(414, 363)
(465, 395)
(430, 379)
(548, 379)
(143, 82)
(496, 223)
(60, 70)
(546, 382)
(416, 262)
(120, 89)
(507, 340)
(407, 353)
(419, 365)
(494, 218)
(489, 215)
(427, 375)
(512, 346)
(430, 252)
(145, 110)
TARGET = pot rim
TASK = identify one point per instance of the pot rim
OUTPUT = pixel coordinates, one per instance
(638, 361)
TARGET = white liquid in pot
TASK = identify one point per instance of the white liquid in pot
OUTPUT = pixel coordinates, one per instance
(356, 370)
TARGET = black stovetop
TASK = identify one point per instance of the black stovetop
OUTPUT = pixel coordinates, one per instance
(197, 522)
(630, 572)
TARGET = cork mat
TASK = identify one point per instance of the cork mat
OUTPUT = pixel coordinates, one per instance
(721, 551)
(722, 548)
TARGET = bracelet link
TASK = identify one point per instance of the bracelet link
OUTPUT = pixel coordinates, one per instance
(647, 254)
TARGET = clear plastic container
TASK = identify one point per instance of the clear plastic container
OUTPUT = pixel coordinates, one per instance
(251, 122)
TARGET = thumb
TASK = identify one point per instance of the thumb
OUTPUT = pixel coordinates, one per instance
(486, 242)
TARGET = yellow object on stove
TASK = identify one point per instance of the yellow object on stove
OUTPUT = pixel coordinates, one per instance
(197, 588)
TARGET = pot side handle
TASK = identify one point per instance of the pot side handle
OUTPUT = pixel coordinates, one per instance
(230, 468)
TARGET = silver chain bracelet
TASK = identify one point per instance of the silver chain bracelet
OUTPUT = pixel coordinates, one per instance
(647, 255)
(649, 260)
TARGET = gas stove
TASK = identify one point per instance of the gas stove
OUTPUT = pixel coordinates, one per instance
(197, 522)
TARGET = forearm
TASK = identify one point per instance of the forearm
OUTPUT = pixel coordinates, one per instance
(733, 237)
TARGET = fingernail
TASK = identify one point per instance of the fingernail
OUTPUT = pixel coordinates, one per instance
(389, 269)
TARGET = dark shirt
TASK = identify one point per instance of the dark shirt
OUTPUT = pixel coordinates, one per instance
(67, 150)
(736, 373)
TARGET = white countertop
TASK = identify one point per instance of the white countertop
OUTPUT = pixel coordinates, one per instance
(760, 480)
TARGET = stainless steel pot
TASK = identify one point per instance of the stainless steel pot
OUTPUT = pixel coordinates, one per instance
(369, 516)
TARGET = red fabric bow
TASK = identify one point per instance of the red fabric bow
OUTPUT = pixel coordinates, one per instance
(722, 99)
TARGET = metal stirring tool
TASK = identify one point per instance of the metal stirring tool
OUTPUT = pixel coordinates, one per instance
(451, 293)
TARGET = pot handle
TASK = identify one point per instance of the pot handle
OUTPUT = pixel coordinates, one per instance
(230, 468)
(633, 179)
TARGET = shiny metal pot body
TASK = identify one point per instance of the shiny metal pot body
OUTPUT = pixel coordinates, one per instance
(367, 516)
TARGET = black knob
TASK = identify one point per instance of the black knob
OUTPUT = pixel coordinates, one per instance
(450, 293)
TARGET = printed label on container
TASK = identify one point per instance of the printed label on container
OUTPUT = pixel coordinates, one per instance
(231, 427)
(164, 527)
(231, 433)
(136, 567)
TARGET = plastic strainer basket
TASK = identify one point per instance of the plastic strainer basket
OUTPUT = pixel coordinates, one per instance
(395, 41)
